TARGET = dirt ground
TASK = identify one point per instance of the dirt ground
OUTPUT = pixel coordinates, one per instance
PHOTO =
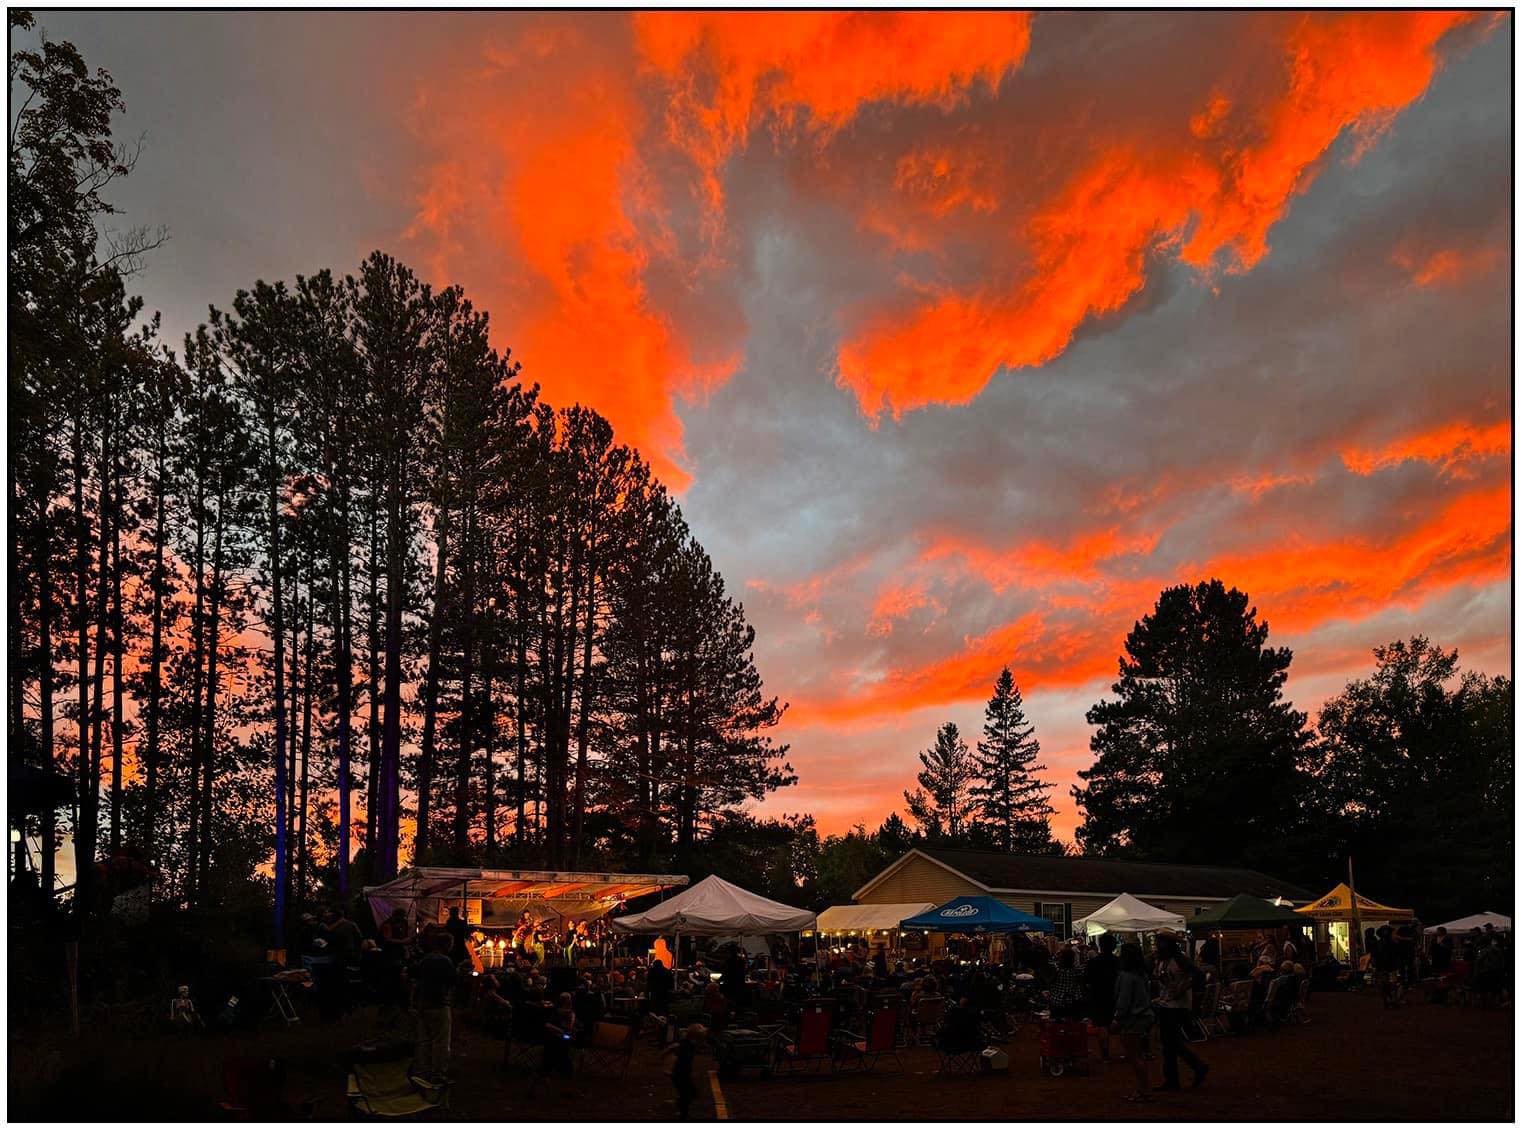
(1354, 1061)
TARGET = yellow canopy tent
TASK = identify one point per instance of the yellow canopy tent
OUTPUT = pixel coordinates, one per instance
(1337, 906)
(1336, 915)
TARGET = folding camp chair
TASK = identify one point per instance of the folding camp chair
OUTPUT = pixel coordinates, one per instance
(963, 1062)
(1231, 1007)
(963, 1057)
(812, 1043)
(611, 1045)
(384, 1090)
(255, 1088)
(1199, 1025)
(929, 1012)
(525, 1045)
(882, 1037)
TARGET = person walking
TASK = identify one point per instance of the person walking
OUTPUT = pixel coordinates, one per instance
(1175, 1001)
(1133, 1014)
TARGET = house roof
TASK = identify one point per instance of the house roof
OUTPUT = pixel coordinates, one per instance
(1094, 875)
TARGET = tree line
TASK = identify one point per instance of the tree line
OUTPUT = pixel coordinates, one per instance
(332, 576)
(328, 585)
(1199, 758)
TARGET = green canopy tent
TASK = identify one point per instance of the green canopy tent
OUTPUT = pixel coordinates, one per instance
(1245, 913)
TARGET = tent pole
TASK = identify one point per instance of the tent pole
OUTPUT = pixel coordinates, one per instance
(1356, 933)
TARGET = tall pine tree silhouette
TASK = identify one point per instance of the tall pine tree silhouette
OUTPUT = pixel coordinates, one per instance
(1011, 802)
(942, 804)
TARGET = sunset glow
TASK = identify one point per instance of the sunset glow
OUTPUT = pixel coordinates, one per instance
(961, 335)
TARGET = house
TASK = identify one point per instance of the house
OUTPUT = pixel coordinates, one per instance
(1064, 888)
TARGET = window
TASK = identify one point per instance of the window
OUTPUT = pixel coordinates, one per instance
(1061, 915)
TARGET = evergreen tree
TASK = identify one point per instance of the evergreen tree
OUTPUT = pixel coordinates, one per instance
(1011, 801)
(1199, 757)
(942, 804)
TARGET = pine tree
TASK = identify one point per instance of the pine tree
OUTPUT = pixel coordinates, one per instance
(1198, 758)
(1011, 802)
(942, 805)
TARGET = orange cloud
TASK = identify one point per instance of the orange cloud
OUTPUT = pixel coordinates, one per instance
(729, 72)
(1451, 447)
(1447, 266)
(558, 212)
(1036, 562)
(1298, 585)
(895, 602)
(1206, 192)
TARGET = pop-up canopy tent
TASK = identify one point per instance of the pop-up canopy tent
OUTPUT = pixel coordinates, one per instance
(976, 913)
(1246, 912)
(1126, 914)
(427, 893)
(714, 906)
(867, 916)
(1337, 906)
(1473, 922)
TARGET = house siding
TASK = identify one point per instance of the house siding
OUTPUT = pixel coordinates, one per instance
(919, 880)
(922, 879)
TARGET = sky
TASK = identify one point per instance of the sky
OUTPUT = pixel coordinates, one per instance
(959, 335)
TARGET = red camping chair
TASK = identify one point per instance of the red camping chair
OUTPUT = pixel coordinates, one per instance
(882, 1037)
(812, 1045)
(255, 1089)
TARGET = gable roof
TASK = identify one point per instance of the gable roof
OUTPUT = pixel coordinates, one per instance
(1095, 875)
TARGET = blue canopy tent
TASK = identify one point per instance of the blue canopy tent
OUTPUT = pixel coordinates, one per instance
(970, 913)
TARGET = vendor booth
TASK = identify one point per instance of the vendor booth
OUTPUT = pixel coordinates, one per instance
(1128, 915)
(1237, 922)
(874, 925)
(975, 915)
(1246, 913)
(1335, 914)
(716, 907)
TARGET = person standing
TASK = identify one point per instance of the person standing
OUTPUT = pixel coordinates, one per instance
(433, 979)
(1175, 1001)
(659, 986)
(1100, 974)
(1441, 955)
(1133, 1014)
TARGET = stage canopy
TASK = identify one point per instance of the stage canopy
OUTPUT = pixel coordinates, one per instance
(1127, 913)
(1244, 913)
(1473, 922)
(976, 913)
(1337, 906)
(429, 892)
(714, 906)
(867, 916)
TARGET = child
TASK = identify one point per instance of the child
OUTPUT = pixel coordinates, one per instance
(682, 1071)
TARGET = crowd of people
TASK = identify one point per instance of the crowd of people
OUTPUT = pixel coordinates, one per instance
(553, 996)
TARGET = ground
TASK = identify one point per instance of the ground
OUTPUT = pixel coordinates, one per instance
(1354, 1061)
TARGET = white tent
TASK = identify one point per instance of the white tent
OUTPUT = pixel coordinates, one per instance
(868, 916)
(1471, 922)
(717, 907)
(1127, 913)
